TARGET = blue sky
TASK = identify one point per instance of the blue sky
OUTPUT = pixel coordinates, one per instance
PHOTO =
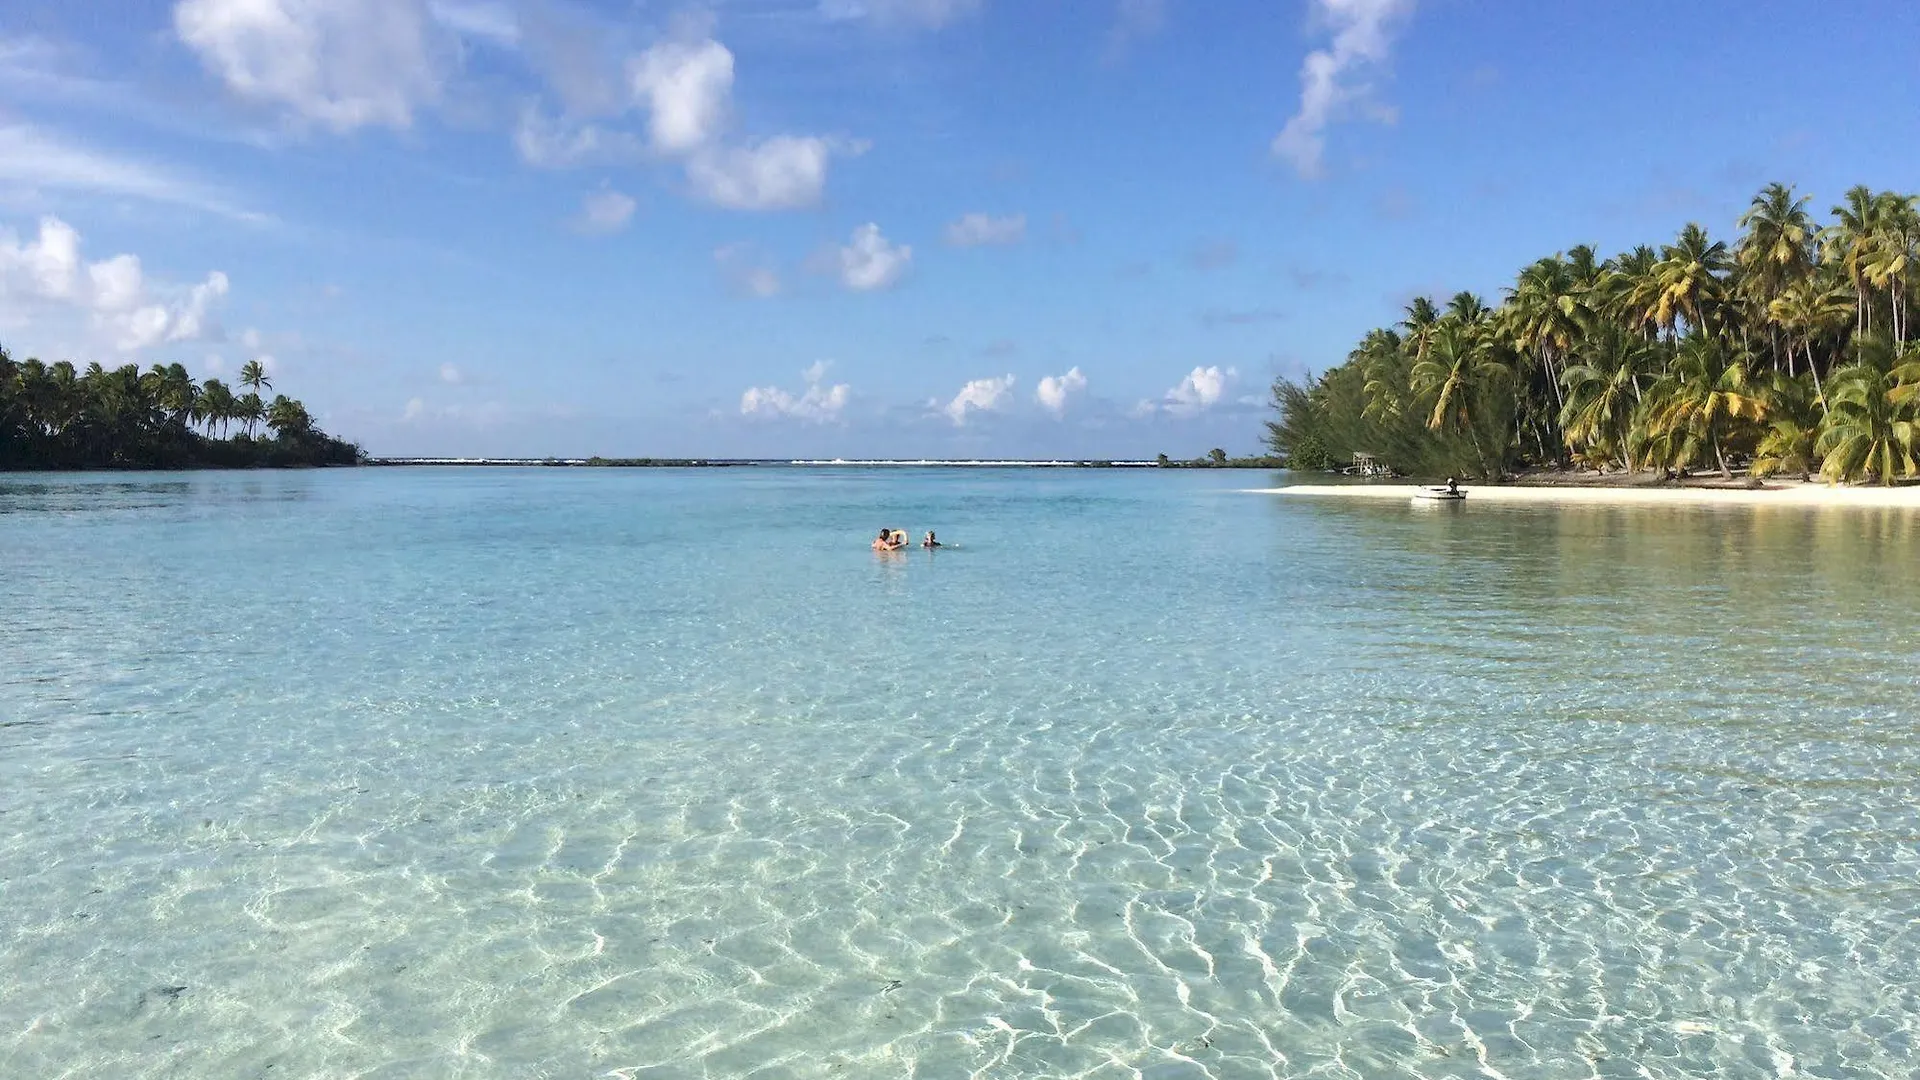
(868, 227)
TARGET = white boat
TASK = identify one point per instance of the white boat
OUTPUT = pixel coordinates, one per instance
(1439, 494)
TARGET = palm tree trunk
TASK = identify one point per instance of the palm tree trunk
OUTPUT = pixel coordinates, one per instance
(1713, 434)
(1819, 392)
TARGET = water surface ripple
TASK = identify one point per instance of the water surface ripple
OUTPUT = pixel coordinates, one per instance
(570, 773)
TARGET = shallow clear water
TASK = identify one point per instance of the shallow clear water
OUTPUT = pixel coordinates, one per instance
(569, 773)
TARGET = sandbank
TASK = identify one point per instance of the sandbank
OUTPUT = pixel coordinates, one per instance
(1774, 493)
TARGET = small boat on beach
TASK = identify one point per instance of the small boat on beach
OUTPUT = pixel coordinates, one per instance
(1439, 494)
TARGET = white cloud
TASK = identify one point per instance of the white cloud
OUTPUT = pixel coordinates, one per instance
(343, 64)
(1199, 391)
(47, 271)
(870, 261)
(782, 173)
(487, 20)
(687, 88)
(747, 270)
(928, 13)
(1361, 37)
(416, 408)
(564, 142)
(1055, 389)
(977, 230)
(34, 158)
(451, 374)
(1134, 21)
(818, 403)
(980, 395)
(606, 211)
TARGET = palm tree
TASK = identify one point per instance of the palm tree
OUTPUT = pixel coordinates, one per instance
(1690, 279)
(1870, 434)
(1603, 390)
(1790, 442)
(1456, 377)
(254, 377)
(1383, 361)
(289, 418)
(1889, 253)
(249, 410)
(1627, 289)
(1550, 313)
(1808, 311)
(1778, 247)
(1707, 390)
(1848, 244)
(217, 405)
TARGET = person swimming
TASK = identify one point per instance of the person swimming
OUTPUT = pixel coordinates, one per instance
(930, 542)
(889, 540)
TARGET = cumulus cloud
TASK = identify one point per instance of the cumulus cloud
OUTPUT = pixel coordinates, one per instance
(980, 395)
(747, 270)
(452, 375)
(1362, 37)
(49, 270)
(605, 211)
(979, 230)
(870, 261)
(783, 173)
(343, 64)
(928, 13)
(1199, 391)
(1054, 390)
(687, 87)
(818, 403)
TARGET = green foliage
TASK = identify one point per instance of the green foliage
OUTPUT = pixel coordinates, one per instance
(1790, 345)
(54, 417)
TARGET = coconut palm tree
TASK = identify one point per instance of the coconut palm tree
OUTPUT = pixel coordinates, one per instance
(1889, 254)
(1383, 359)
(1603, 390)
(1706, 391)
(1627, 289)
(249, 410)
(1848, 244)
(1456, 381)
(1778, 247)
(289, 419)
(1808, 311)
(1691, 280)
(217, 405)
(253, 376)
(1870, 434)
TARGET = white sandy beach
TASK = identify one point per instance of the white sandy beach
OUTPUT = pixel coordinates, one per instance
(1775, 493)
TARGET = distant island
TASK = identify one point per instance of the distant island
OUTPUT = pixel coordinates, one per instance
(1218, 459)
(1790, 352)
(53, 416)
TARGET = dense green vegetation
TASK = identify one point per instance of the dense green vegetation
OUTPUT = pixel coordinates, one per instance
(1218, 459)
(55, 417)
(1791, 348)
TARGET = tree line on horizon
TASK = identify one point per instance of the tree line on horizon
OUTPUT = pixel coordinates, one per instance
(55, 416)
(1792, 349)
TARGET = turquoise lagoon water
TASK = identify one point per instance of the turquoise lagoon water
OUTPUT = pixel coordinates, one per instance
(596, 773)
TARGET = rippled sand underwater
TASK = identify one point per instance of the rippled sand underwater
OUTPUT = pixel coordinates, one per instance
(562, 774)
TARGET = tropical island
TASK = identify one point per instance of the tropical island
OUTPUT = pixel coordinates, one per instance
(53, 416)
(1786, 353)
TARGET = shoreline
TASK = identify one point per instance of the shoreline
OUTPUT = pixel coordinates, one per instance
(1793, 493)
